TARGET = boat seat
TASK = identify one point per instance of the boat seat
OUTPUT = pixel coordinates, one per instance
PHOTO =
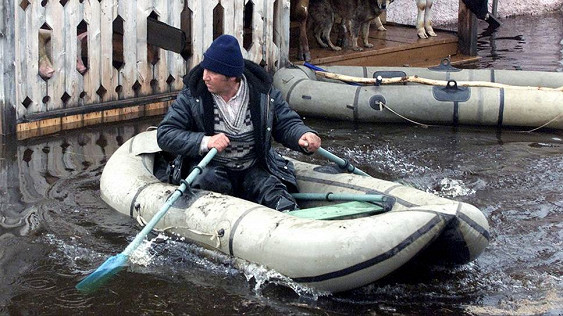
(348, 210)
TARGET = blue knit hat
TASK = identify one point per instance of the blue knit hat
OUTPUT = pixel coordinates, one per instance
(224, 57)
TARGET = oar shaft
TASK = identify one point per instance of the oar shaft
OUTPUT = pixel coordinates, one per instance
(339, 197)
(166, 206)
(343, 164)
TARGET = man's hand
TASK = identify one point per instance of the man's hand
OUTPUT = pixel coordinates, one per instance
(310, 142)
(219, 141)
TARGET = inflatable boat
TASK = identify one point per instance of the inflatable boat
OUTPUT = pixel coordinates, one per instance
(334, 252)
(446, 96)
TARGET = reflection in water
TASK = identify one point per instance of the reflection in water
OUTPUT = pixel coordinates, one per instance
(47, 186)
(522, 44)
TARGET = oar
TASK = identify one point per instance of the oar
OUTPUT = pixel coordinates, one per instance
(384, 201)
(340, 197)
(116, 263)
(342, 163)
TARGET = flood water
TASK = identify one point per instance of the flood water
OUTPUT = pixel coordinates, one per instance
(55, 229)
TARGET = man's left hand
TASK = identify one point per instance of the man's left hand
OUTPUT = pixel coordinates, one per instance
(310, 142)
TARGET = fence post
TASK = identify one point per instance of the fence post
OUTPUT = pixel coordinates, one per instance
(467, 30)
(7, 69)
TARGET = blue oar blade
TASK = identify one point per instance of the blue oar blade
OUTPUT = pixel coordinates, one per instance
(103, 273)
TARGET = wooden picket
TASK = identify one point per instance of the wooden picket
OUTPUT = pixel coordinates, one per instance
(103, 92)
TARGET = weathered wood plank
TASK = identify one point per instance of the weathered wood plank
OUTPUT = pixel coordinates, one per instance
(160, 69)
(144, 69)
(255, 50)
(176, 64)
(53, 13)
(73, 80)
(467, 30)
(108, 74)
(30, 86)
(269, 52)
(202, 27)
(8, 71)
(282, 32)
(128, 73)
(92, 80)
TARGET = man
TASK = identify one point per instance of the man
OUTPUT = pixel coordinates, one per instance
(228, 103)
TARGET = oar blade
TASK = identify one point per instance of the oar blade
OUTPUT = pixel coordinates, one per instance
(103, 273)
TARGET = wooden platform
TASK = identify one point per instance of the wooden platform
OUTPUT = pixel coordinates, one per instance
(398, 46)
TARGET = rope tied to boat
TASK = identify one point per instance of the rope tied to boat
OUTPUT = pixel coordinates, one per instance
(216, 236)
(543, 125)
(404, 117)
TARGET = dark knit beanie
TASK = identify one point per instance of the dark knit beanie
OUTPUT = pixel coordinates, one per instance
(224, 57)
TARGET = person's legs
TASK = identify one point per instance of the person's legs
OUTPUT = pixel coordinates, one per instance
(259, 186)
(214, 178)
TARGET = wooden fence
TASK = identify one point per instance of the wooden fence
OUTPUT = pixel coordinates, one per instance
(135, 54)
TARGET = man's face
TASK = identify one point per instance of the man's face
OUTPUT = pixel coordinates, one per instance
(218, 83)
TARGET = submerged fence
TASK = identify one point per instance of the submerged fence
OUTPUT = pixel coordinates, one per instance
(80, 61)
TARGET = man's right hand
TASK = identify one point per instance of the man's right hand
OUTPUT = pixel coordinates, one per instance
(219, 141)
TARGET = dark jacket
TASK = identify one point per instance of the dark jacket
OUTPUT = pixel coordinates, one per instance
(191, 117)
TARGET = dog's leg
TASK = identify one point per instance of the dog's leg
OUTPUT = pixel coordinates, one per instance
(353, 34)
(365, 33)
(318, 33)
(428, 18)
(379, 25)
(420, 31)
(326, 34)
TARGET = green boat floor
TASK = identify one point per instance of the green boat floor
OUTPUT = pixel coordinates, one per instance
(339, 211)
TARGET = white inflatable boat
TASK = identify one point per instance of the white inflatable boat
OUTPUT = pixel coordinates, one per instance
(335, 254)
(461, 97)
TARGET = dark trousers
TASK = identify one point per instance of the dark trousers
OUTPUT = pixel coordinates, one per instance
(255, 184)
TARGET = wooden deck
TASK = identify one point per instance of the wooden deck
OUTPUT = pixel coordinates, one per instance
(398, 46)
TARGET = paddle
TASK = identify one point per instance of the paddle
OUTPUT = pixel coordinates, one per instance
(340, 197)
(384, 201)
(116, 263)
(342, 163)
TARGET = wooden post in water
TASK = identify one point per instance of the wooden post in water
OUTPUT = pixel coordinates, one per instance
(467, 30)
(7, 69)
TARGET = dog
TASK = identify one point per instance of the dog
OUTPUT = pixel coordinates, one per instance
(356, 16)
(424, 19)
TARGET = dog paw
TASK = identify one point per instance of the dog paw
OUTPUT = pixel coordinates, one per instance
(357, 49)
(336, 48)
(369, 45)
(429, 30)
(382, 28)
(422, 33)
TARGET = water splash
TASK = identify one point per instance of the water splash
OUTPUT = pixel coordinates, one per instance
(264, 276)
(143, 255)
(75, 256)
(452, 188)
(174, 253)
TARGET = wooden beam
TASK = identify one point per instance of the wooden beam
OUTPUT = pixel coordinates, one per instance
(165, 36)
(467, 30)
(100, 107)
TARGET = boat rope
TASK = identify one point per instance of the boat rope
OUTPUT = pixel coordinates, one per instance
(404, 117)
(543, 125)
(212, 236)
(426, 81)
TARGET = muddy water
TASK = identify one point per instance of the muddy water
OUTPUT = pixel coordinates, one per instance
(54, 228)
